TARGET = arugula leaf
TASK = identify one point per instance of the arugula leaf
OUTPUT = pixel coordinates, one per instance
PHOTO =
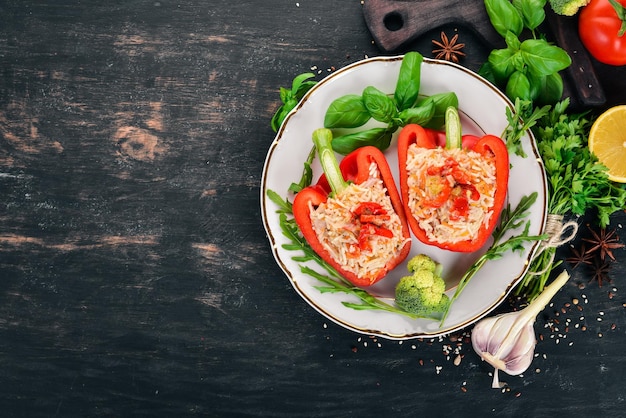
(335, 283)
(510, 220)
(307, 174)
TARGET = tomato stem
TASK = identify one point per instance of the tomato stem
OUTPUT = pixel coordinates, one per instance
(621, 14)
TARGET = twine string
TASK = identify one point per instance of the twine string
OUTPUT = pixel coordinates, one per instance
(559, 233)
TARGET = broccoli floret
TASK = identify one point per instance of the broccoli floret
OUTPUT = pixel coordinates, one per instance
(421, 262)
(567, 7)
(422, 293)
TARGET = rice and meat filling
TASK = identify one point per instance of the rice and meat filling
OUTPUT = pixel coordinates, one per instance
(359, 227)
(451, 192)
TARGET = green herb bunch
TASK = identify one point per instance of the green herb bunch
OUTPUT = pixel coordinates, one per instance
(348, 113)
(577, 182)
(528, 68)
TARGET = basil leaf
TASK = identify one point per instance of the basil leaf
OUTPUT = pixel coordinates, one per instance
(543, 58)
(300, 82)
(550, 88)
(303, 88)
(420, 114)
(380, 106)
(518, 86)
(346, 112)
(512, 41)
(504, 17)
(285, 94)
(282, 113)
(441, 102)
(486, 71)
(378, 137)
(502, 63)
(408, 84)
(532, 11)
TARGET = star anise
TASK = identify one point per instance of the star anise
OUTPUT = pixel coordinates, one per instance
(605, 242)
(448, 50)
(580, 256)
(600, 271)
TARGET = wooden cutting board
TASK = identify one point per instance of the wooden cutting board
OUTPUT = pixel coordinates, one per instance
(396, 23)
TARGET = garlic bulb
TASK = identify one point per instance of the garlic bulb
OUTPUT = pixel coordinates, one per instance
(507, 341)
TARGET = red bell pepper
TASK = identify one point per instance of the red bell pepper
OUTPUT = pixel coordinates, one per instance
(449, 184)
(369, 217)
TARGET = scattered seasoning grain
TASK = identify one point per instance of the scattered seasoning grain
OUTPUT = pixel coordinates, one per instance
(600, 335)
(457, 360)
(463, 389)
(613, 326)
(575, 301)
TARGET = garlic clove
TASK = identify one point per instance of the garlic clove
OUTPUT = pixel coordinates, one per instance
(498, 342)
(507, 341)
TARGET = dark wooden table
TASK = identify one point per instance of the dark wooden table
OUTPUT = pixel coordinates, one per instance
(135, 275)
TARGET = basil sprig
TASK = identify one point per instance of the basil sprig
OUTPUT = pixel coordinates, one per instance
(528, 68)
(349, 112)
(300, 85)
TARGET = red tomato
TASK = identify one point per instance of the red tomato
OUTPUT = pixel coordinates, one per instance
(599, 27)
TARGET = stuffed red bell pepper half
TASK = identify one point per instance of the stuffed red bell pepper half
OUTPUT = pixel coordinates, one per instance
(353, 217)
(453, 192)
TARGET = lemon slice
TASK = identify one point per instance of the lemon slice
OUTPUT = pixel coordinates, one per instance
(607, 140)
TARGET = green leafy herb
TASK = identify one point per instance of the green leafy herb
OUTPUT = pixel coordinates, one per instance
(403, 107)
(510, 220)
(347, 111)
(527, 68)
(290, 98)
(307, 174)
(577, 182)
(521, 119)
(409, 79)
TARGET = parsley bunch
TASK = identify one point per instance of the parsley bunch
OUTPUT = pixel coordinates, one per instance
(577, 182)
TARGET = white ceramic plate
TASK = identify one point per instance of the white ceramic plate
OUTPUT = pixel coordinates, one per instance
(482, 108)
